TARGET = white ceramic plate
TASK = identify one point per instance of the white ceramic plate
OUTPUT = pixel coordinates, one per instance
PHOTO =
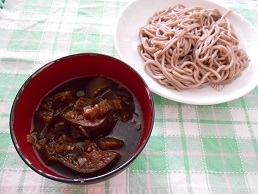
(136, 14)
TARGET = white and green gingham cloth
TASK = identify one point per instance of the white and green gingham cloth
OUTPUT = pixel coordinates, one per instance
(192, 149)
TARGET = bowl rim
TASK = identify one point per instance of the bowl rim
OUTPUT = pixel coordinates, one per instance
(87, 180)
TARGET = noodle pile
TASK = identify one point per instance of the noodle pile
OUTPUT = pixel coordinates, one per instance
(191, 48)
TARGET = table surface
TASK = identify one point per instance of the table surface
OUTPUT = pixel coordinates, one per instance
(192, 149)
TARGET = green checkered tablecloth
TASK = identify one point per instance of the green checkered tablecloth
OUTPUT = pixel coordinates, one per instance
(1, 4)
(192, 149)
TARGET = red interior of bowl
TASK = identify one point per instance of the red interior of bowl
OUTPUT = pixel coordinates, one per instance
(59, 71)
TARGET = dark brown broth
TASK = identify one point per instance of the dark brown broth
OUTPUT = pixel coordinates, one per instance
(124, 131)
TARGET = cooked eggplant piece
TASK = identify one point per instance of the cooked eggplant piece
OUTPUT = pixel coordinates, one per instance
(102, 108)
(62, 99)
(56, 126)
(82, 103)
(41, 120)
(109, 143)
(98, 85)
(54, 149)
(124, 98)
(35, 141)
(117, 106)
(78, 132)
(46, 104)
(118, 93)
(91, 160)
(93, 128)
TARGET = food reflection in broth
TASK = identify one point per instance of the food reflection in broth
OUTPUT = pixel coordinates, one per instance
(86, 125)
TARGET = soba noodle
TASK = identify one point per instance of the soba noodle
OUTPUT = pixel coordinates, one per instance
(191, 48)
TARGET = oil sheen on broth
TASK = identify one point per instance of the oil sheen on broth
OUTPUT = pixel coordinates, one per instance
(86, 126)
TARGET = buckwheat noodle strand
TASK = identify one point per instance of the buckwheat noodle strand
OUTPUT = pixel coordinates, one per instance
(191, 48)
